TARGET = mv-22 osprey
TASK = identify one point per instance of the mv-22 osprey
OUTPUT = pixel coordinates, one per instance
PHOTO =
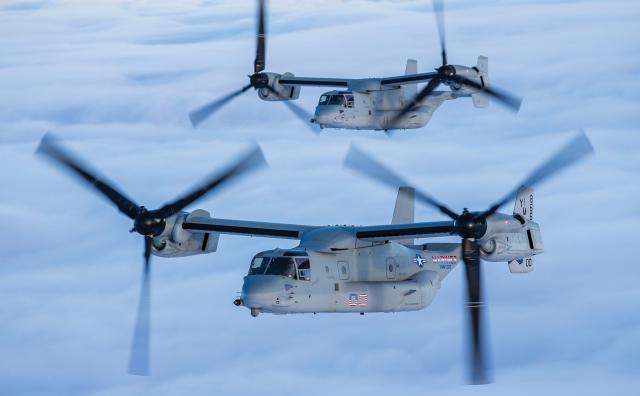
(352, 269)
(370, 103)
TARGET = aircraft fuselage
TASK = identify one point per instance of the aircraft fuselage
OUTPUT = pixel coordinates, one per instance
(373, 109)
(387, 277)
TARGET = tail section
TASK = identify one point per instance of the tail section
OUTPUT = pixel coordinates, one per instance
(410, 90)
(523, 208)
(521, 266)
(524, 203)
(480, 99)
(404, 211)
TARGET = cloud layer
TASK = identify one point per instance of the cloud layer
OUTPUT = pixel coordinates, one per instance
(116, 80)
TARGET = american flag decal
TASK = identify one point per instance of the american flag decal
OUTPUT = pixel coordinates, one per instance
(358, 300)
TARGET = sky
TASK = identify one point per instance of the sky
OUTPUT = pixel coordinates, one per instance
(115, 80)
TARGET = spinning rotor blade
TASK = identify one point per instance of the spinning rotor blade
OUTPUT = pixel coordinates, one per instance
(573, 151)
(244, 164)
(259, 63)
(298, 111)
(199, 115)
(148, 223)
(475, 308)
(361, 162)
(438, 10)
(139, 355)
(49, 148)
(507, 99)
(426, 91)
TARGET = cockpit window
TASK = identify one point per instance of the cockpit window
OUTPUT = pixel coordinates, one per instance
(336, 100)
(349, 101)
(282, 266)
(304, 269)
(293, 264)
(259, 265)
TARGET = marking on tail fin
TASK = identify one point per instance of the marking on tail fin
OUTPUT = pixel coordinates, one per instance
(530, 239)
(524, 203)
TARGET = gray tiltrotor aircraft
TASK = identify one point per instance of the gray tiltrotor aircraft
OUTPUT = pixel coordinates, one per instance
(357, 269)
(370, 103)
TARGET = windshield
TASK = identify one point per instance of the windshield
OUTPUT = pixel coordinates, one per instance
(258, 265)
(336, 100)
(281, 266)
(290, 265)
(332, 100)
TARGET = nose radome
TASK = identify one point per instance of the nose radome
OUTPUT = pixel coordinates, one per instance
(259, 290)
(324, 113)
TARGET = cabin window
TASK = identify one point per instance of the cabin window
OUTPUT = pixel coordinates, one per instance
(324, 99)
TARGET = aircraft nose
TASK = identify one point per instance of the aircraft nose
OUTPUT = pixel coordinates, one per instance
(323, 114)
(258, 290)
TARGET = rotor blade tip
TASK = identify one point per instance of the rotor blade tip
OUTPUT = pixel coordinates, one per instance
(258, 155)
(517, 105)
(45, 142)
(139, 372)
(584, 140)
(193, 119)
(352, 157)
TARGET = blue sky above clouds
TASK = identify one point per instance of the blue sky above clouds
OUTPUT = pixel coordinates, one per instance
(116, 80)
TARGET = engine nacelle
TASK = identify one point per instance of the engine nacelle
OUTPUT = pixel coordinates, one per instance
(510, 238)
(471, 73)
(478, 74)
(286, 92)
(178, 242)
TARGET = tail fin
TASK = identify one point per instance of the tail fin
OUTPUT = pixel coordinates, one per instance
(481, 99)
(521, 266)
(412, 68)
(523, 207)
(404, 211)
(524, 203)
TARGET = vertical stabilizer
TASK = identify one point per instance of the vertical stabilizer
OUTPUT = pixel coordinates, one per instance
(521, 266)
(524, 203)
(481, 99)
(404, 211)
(524, 207)
(410, 90)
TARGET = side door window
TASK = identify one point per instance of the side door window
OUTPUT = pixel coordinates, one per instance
(304, 269)
(343, 270)
(349, 102)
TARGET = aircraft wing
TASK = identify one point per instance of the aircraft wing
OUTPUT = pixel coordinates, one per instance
(402, 231)
(408, 79)
(249, 228)
(315, 81)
